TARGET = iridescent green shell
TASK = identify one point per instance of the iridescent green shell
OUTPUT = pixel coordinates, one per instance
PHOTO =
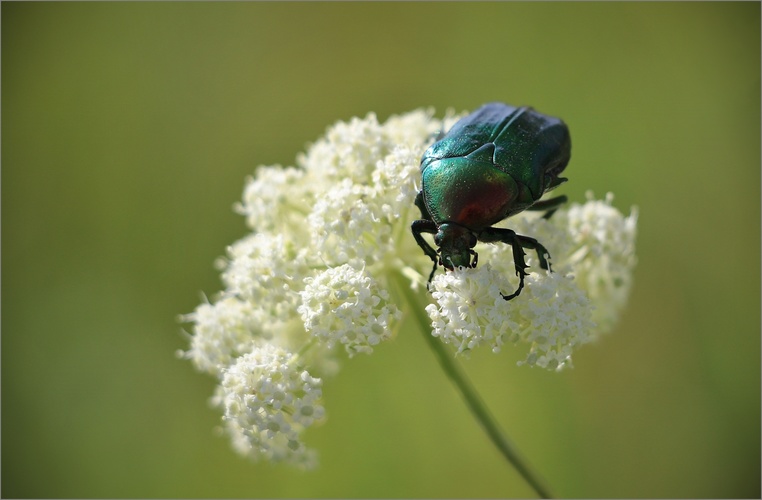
(492, 164)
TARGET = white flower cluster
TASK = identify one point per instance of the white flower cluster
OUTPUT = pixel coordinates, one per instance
(313, 274)
(551, 314)
(267, 402)
(343, 305)
(329, 246)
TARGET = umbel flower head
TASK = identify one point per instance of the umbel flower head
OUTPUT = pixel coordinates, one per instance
(329, 254)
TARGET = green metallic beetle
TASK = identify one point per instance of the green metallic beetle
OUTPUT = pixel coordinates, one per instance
(492, 164)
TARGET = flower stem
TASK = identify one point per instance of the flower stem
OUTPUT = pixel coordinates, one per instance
(471, 397)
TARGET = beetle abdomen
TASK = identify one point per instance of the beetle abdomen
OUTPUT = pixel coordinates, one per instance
(534, 150)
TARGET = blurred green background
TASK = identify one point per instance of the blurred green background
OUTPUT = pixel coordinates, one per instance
(128, 130)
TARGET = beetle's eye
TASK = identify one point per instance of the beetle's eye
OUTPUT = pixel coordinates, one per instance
(472, 240)
(438, 239)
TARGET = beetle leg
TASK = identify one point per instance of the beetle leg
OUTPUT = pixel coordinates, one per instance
(517, 241)
(476, 258)
(494, 234)
(535, 245)
(551, 205)
(422, 207)
(425, 226)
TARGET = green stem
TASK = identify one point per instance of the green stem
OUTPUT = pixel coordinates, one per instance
(471, 397)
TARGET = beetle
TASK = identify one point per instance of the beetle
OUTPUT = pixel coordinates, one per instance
(492, 164)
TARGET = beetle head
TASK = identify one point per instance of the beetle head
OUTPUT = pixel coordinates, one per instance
(456, 245)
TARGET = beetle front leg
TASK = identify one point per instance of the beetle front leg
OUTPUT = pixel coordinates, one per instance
(494, 234)
(535, 245)
(517, 241)
(426, 226)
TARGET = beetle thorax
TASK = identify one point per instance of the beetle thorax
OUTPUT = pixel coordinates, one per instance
(455, 244)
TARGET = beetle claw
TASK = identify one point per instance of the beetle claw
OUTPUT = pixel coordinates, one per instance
(514, 294)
